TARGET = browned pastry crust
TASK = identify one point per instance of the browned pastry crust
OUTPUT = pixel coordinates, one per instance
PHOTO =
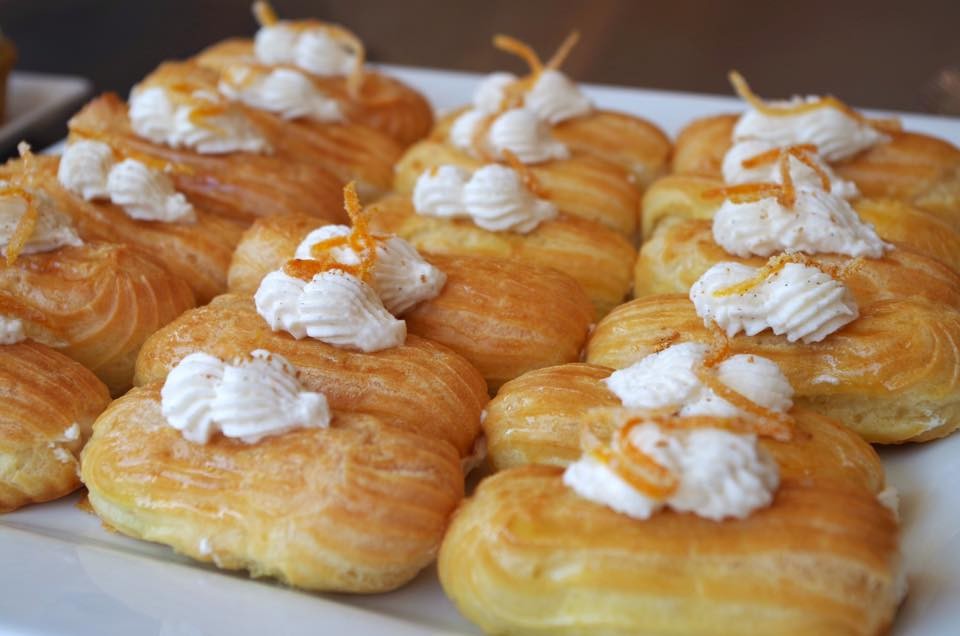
(241, 186)
(422, 387)
(383, 103)
(349, 151)
(48, 404)
(198, 252)
(527, 555)
(504, 317)
(358, 507)
(538, 419)
(895, 221)
(680, 251)
(596, 257)
(583, 186)
(919, 169)
(891, 375)
(95, 303)
(636, 144)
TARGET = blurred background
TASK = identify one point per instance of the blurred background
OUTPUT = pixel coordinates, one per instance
(880, 54)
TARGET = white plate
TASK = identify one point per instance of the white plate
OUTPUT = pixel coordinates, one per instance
(61, 573)
(36, 99)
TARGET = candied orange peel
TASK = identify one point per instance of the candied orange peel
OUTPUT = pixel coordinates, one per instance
(19, 186)
(527, 176)
(804, 153)
(785, 193)
(772, 266)
(743, 89)
(266, 17)
(514, 93)
(360, 241)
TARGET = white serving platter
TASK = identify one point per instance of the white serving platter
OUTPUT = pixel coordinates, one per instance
(62, 573)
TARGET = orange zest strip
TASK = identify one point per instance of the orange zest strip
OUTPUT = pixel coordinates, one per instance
(769, 423)
(478, 141)
(788, 197)
(18, 188)
(742, 89)
(264, 13)
(719, 346)
(773, 155)
(640, 471)
(558, 58)
(530, 180)
(509, 44)
(744, 193)
(774, 265)
(360, 241)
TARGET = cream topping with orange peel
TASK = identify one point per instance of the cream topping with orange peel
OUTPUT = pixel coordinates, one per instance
(838, 131)
(29, 221)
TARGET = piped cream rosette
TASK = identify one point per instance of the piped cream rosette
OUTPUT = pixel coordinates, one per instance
(345, 286)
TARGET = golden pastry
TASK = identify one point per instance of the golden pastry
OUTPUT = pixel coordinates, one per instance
(680, 251)
(48, 407)
(685, 196)
(581, 186)
(335, 69)
(890, 374)
(419, 386)
(527, 555)
(350, 152)
(239, 185)
(629, 141)
(197, 250)
(921, 170)
(359, 506)
(504, 317)
(596, 257)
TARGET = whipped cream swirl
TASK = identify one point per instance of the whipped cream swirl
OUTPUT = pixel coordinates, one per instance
(11, 330)
(836, 134)
(334, 307)
(797, 301)
(668, 380)
(89, 169)
(494, 198)
(313, 50)
(517, 130)
(554, 98)
(719, 474)
(286, 92)
(735, 173)
(400, 276)
(819, 222)
(248, 400)
(155, 115)
(52, 231)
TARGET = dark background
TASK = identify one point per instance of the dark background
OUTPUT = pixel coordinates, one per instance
(873, 54)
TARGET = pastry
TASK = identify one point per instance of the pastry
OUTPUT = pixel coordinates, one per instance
(192, 244)
(347, 151)
(596, 257)
(527, 555)
(629, 141)
(227, 176)
(48, 406)
(680, 251)
(239, 465)
(889, 374)
(581, 186)
(504, 317)
(94, 302)
(879, 157)
(331, 59)
(419, 386)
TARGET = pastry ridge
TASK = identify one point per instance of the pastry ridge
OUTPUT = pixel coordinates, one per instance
(598, 258)
(892, 375)
(421, 386)
(357, 507)
(44, 395)
(96, 303)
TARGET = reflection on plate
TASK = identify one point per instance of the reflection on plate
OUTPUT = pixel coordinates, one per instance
(38, 100)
